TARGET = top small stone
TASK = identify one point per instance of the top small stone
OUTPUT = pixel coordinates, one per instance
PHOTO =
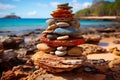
(64, 6)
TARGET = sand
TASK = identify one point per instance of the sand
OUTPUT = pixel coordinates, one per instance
(106, 43)
(99, 17)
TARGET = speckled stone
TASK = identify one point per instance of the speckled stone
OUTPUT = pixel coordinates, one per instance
(66, 31)
(60, 53)
(63, 37)
(62, 24)
(50, 21)
(52, 36)
(75, 51)
(61, 48)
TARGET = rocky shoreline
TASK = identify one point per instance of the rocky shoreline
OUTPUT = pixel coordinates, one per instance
(16, 51)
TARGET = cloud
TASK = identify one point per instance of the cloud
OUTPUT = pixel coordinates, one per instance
(78, 5)
(32, 13)
(87, 4)
(16, 0)
(6, 6)
(54, 4)
(41, 5)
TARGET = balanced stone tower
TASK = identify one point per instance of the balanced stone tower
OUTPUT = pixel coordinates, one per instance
(59, 48)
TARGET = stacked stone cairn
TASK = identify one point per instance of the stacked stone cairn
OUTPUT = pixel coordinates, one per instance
(61, 40)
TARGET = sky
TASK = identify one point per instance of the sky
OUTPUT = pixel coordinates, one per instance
(38, 8)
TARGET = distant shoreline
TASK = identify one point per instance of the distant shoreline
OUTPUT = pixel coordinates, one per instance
(100, 18)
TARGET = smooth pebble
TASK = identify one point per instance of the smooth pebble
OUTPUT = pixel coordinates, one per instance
(61, 48)
(65, 31)
(63, 37)
(50, 21)
(60, 53)
(52, 36)
(52, 27)
(44, 47)
(75, 51)
(62, 24)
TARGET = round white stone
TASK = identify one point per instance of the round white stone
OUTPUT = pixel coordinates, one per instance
(60, 53)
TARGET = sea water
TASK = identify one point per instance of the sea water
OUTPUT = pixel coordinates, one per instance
(31, 23)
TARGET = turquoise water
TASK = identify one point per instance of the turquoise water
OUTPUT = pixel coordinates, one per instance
(28, 24)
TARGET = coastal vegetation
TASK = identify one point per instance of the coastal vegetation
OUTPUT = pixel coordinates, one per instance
(101, 8)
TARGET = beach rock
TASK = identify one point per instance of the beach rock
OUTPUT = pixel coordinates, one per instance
(1, 49)
(75, 24)
(116, 41)
(52, 27)
(75, 51)
(50, 22)
(9, 59)
(61, 48)
(115, 51)
(9, 43)
(12, 43)
(9, 75)
(92, 39)
(91, 49)
(63, 37)
(60, 53)
(62, 24)
(44, 47)
(107, 30)
(65, 31)
(54, 63)
(114, 65)
(52, 36)
(17, 73)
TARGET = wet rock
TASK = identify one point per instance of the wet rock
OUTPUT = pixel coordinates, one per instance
(12, 43)
(90, 69)
(110, 77)
(9, 59)
(1, 49)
